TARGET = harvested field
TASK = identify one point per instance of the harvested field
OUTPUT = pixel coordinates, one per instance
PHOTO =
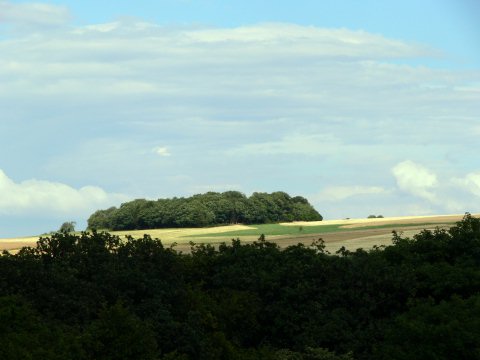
(350, 233)
(13, 245)
(177, 233)
(383, 221)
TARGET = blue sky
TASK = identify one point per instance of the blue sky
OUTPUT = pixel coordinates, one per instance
(368, 107)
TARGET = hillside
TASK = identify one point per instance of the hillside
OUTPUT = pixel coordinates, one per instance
(351, 233)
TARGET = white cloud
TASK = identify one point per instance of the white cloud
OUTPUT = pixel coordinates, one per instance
(104, 57)
(415, 179)
(471, 182)
(161, 151)
(252, 73)
(308, 40)
(40, 196)
(304, 144)
(31, 15)
(339, 193)
(431, 195)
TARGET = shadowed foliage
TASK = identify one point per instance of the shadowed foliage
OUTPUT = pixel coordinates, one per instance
(230, 207)
(95, 296)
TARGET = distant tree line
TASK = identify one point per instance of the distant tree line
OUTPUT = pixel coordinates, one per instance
(94, 296)
(212, 208)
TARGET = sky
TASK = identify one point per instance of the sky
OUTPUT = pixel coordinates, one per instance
(362, 107)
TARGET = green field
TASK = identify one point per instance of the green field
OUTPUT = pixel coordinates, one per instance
(279, 230)
(274, 229)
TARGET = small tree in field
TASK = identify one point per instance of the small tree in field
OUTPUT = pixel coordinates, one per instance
(68, 226)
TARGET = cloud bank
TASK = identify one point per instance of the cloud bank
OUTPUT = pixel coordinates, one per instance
(39, 196)
(339, 193)
(417, 189)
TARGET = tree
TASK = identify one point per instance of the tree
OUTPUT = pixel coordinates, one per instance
(447, 330)
(311, 354)
(27, 336)
(68, 227)
(101, 219)
(230, 207)
(118, 334)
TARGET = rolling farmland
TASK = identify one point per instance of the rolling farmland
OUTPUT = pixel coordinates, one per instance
(350, 233)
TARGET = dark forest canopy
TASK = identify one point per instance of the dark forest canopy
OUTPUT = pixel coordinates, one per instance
(212, 208)
(93, 296)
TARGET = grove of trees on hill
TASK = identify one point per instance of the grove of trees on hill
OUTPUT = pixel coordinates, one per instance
(95, 296)
(208, 209)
